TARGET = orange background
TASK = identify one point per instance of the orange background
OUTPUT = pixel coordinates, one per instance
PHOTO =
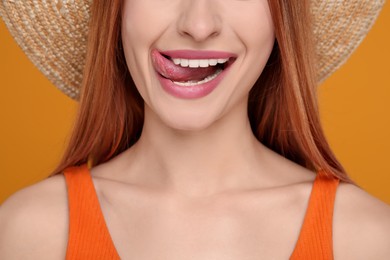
(355, 108)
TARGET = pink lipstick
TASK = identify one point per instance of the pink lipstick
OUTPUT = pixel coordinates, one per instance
(191, 74)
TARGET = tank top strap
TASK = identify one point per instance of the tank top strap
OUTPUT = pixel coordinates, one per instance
(89, 237)
(315, 239)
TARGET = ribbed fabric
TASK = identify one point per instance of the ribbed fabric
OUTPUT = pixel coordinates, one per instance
(89, 237)
(315, 240)
(88, 234)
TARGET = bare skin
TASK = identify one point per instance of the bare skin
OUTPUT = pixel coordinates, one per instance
(260, 220)
(197, 185)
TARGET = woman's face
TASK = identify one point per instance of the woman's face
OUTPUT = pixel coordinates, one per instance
(194, 61)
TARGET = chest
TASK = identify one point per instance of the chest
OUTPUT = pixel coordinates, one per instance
(214, 229)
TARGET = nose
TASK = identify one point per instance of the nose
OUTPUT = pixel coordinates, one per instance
(199, 20)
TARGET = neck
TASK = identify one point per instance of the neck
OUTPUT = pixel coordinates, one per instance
(223, 156)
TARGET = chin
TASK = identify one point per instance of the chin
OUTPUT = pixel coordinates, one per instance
(189, 122)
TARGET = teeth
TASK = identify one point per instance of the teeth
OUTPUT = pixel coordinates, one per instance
(194, 63)
(213, 62)
(203, 63)
(222, 61)
(184, 63)
(194, 83)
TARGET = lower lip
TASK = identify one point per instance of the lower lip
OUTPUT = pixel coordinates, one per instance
(191, 92)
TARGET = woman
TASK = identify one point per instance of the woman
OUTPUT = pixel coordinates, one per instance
(200, 125)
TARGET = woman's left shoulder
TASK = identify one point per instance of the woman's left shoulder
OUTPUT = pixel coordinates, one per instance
(361, 227)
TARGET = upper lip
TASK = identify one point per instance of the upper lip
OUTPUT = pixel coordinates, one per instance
(197, 54)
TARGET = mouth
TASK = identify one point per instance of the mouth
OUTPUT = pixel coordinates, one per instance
(198, 71)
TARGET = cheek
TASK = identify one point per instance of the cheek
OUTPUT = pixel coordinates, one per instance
(143, 21)
(136, 27)
(259, 38)
(135, 38)
(252, 23)
(142, 25)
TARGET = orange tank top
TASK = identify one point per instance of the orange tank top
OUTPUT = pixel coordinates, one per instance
(89, 237)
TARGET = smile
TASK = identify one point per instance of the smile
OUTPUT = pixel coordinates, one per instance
(191, 74)
(198, 63)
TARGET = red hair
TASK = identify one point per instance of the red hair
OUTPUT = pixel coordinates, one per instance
(282, 107)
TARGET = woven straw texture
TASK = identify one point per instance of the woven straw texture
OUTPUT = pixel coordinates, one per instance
(53, 34)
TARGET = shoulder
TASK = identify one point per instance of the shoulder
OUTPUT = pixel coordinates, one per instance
(33, 221)
(361, 228)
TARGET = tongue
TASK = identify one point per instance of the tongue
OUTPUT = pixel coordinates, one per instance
(169, 70)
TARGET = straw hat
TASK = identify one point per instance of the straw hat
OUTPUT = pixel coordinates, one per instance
(53, 34)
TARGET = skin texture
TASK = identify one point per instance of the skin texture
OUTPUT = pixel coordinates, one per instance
(197, 185)
(197, 25)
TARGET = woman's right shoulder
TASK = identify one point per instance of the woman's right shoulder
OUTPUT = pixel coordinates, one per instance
(34, 221)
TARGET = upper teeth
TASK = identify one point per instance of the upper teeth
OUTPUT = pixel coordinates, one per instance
(204, 63)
